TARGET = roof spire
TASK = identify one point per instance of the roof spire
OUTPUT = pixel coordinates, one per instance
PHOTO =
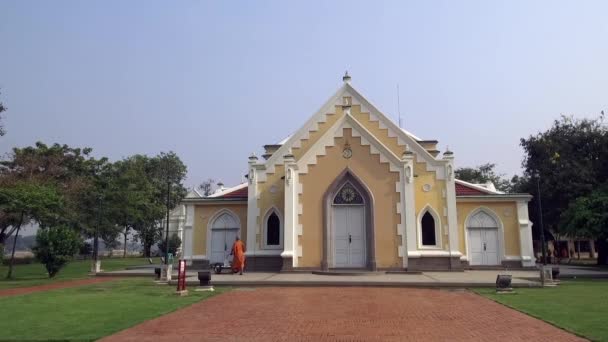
(346, 77)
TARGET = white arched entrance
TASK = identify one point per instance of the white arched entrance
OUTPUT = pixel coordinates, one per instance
(225, 227)
(483, 236)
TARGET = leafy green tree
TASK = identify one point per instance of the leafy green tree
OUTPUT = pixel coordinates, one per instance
(55, 247)
(570, 160)
(587, 217)
(29, 201)
(169, 173)
(174, 243)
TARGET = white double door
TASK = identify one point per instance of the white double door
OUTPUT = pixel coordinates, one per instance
(483, 246)
(349, 236)
(221, 244)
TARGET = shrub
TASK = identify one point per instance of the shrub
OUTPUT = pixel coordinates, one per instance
(55, 247)
(174, 243)
(86, 249)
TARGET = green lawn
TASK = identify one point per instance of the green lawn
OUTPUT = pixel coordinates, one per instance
(35, 274)
(579, 306)
(88, 312)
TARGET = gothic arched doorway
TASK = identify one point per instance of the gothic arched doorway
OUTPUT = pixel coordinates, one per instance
(348, 235)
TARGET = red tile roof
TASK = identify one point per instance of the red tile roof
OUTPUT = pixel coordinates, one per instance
(238, 193)
(463, 190)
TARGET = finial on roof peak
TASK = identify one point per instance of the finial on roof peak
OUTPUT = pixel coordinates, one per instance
(346, 78)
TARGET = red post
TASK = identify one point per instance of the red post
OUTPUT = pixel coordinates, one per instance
(181, 276)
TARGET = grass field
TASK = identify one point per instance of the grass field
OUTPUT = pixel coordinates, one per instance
(35, 274)
(579, 306)
(88, 312)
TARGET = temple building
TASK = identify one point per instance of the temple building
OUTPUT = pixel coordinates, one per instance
(352, 190)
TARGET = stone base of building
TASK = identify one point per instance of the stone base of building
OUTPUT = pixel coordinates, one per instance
(512, 264)
(435, 264)
(264, 263)
(287, 264)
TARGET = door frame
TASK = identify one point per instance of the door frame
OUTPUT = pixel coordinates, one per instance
(499, 234)
(347, 176)
(210, 223)
(332, 235)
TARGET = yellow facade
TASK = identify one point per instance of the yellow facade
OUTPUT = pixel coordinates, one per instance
(380, 181)
(507, 214)
(203, 220)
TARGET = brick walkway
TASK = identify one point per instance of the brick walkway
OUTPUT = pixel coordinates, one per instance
(54, 286)
(344, 314)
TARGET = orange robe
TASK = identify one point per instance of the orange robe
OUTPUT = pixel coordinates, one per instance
(238, 261)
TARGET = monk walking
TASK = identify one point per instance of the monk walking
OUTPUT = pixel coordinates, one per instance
(238, 251)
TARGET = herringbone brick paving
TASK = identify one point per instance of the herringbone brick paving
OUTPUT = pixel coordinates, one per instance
(345, 314)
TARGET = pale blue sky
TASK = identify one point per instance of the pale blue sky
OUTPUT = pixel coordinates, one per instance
(215, 81)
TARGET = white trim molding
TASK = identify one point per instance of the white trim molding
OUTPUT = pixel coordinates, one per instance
(528, 258)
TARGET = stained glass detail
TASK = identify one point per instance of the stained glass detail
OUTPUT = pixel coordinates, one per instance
(348, 195)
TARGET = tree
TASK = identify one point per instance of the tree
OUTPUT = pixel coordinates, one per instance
(29, 201)
(55, 247)
(587, 217)
(483, 174)
(207, 187)
(131, 193)
(570, 161)
(174, 243)
(169, 173)
(2, 130)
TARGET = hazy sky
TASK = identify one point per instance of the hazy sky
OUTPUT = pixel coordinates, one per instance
(214, 81)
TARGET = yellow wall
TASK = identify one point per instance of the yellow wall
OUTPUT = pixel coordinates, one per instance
(506, 211)
(202, 215)
(434, 198)
(378, 178)
(269, 199)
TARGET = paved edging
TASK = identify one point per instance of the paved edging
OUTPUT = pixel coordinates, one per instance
(265, 283)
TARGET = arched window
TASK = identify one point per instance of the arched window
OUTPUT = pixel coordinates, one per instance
(428, 230)
(273, 230)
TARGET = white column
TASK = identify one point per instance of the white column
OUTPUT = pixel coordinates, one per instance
(187, 240)
(252, 206)
(525, 235)
(409, 206)
(452, 224)
(291, 212)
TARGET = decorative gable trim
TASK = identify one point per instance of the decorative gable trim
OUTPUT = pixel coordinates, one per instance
(347, 91)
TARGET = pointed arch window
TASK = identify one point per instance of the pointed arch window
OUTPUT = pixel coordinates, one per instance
(273, 230)
(429, 229)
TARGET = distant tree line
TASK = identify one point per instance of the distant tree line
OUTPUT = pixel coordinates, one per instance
(74, 196)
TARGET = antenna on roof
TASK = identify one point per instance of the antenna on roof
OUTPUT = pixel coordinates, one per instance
(399, 106)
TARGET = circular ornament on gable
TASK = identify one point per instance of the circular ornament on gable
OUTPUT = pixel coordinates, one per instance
(507, 212)
(273, 189)
(426, 187)
(347, 153)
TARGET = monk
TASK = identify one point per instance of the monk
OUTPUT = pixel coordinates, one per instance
(238, 251)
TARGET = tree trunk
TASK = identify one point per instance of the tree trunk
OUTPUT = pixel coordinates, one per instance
(124, 253)
(10, 267)
(96, 247)
(602, 252)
